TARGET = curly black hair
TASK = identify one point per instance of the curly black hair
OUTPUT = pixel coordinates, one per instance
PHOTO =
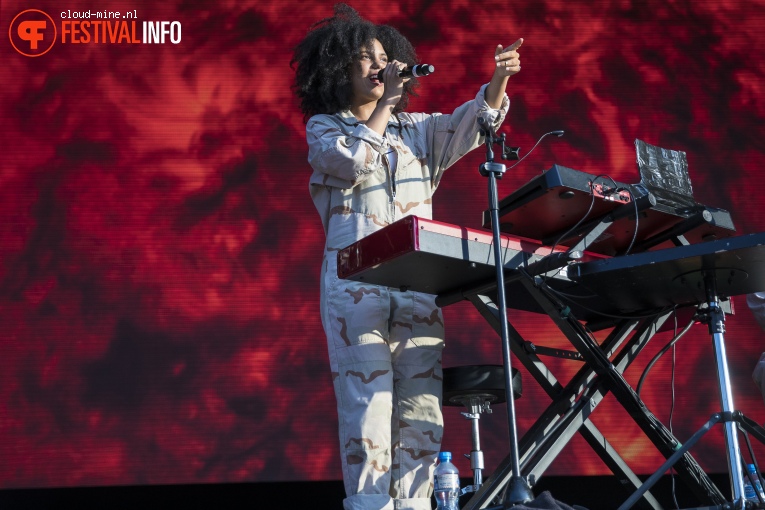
(324, 60)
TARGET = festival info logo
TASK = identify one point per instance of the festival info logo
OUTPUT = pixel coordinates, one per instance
(32, 33)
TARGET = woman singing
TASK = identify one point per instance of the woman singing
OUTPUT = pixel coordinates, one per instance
(374, 163)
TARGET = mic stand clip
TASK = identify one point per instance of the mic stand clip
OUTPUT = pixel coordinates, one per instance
(508, 153)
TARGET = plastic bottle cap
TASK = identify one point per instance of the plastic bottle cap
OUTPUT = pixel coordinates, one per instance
(444, 456)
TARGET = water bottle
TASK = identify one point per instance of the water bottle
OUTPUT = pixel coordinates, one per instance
(446, 483)
(750, 491)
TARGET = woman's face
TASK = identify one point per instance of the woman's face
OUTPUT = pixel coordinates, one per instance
(366, 86)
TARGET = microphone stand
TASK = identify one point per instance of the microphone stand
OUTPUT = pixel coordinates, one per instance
(518, 490)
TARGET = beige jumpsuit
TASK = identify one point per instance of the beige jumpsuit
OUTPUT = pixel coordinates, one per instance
(385, 345)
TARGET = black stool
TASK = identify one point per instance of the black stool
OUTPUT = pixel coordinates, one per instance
(477, 387)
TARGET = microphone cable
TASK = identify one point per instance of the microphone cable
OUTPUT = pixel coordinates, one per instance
(558, 133)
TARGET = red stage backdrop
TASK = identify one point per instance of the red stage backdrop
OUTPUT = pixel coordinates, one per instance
(159, 252)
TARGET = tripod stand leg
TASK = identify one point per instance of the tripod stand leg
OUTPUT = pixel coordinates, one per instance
(669, 463)
(751, 426)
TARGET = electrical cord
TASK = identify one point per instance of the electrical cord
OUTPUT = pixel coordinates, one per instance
(565, 234)
(568, 298)
(637, 221)
(661, 353)
(592, 183)
(672, 401)
(557, 133)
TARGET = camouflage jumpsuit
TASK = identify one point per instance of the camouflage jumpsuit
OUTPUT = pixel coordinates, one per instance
(385, 345)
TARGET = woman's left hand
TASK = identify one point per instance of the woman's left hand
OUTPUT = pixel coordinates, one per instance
(508, 60)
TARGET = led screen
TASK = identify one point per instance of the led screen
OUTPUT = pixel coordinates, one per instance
(160, 254)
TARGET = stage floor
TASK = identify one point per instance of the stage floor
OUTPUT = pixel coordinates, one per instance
(592, 492)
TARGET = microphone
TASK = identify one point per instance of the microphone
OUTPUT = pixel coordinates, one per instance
(557, 133)
(416, 71)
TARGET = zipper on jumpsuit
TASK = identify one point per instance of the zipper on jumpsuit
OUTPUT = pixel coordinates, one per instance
(392, 177)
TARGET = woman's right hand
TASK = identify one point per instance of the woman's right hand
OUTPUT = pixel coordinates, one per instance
(393, 83)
